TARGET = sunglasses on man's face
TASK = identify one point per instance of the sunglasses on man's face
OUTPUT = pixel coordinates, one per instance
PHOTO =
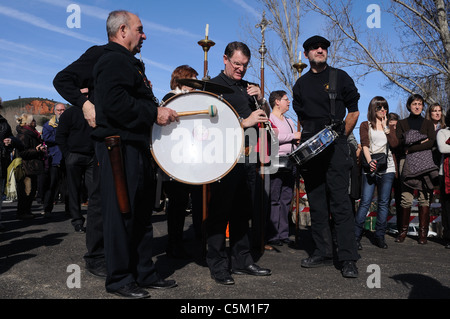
(318, 45)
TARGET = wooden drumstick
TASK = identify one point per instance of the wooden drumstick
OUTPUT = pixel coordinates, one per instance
(212, 111)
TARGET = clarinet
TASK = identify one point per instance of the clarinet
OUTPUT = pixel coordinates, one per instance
(268, 124)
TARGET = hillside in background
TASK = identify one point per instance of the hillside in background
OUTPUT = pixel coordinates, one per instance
(41, 108)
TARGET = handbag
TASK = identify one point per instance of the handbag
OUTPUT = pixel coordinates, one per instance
(380, 158)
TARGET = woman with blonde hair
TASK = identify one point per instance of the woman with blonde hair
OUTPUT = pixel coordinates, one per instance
(33, 163)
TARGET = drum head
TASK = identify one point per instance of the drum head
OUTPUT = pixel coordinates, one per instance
(199, 149)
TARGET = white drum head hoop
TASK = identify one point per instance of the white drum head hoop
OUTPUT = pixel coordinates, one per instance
(200, 148)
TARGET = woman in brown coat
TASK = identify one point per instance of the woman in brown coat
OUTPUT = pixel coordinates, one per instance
(416, 134)
(33, 163)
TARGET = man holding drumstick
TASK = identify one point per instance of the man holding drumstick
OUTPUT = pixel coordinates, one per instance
(126, 107)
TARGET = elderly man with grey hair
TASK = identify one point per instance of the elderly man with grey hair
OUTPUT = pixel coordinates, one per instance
(125, 106)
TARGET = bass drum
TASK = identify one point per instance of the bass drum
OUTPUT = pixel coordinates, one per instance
(199, 149)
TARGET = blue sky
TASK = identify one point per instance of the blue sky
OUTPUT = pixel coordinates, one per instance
(37, 42)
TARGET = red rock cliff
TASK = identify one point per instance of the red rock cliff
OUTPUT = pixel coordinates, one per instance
(37, 107)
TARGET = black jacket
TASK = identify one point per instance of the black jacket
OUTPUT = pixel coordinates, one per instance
(5, 151)
(73, 133)
(78, 75)
(124, 101)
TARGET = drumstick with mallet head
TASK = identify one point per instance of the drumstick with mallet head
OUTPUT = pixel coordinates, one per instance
(212, 111)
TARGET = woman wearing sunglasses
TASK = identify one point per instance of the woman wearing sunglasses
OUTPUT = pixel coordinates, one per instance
(377, 137)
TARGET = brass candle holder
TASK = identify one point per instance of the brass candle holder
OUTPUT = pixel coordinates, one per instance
(300, 66)
(206, 44)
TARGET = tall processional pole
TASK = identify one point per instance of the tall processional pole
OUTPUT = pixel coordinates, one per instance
(299, 66)
(263, 146)
(206, 44)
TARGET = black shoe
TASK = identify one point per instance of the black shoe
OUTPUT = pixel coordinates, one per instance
(447, 246)
(253, 270)
(316, 261)
(287, 241)
(358, 245)
(381, 243)
(80, 228)
(275, 242)
(161, 284)
(223, 278)
(25, 216)
(131, 290)
(177, 253)
(97, 269)
(349, 269)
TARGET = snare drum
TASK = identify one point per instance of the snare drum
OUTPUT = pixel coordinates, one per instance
(313, 146)
(199, 149)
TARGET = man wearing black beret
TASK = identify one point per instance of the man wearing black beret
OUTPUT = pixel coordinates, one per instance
(327, 175)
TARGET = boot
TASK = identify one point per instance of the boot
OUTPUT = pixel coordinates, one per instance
(424, 224)
(406, 212)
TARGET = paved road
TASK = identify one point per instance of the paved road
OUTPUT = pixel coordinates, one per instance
(38, 257)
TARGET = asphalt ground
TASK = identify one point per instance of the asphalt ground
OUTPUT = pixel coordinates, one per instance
(43, 259)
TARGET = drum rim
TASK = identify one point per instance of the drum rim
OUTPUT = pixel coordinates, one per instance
(295, 154)
(221, 98)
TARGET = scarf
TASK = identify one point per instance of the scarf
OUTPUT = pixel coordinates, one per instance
(32, 130)
(53, 122)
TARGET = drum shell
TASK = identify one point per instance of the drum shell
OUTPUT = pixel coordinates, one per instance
(313, 146)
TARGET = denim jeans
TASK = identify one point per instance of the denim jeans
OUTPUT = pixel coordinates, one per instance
(383, 183)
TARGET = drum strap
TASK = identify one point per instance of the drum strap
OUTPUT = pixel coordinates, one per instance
(332, 92)
(292, 131)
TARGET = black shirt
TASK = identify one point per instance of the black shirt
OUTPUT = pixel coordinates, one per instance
(73, 133)
(124, 101)
(242, 103)
(312, 103)
(78, 75)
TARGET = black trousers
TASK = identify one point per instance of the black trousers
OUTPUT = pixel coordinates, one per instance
(231, 201)
(26, 190)
(178, 194)
(78, 165)
(128, 237)
(55, 180)
(326, 179)
(445, 202)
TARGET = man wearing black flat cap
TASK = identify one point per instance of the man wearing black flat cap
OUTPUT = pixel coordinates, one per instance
(327, 175)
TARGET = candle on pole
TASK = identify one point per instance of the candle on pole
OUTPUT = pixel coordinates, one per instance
(206, 44)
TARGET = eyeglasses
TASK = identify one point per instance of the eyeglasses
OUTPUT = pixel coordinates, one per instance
(380, 107)
(238, 65)
(318, 45)
(285, 99)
